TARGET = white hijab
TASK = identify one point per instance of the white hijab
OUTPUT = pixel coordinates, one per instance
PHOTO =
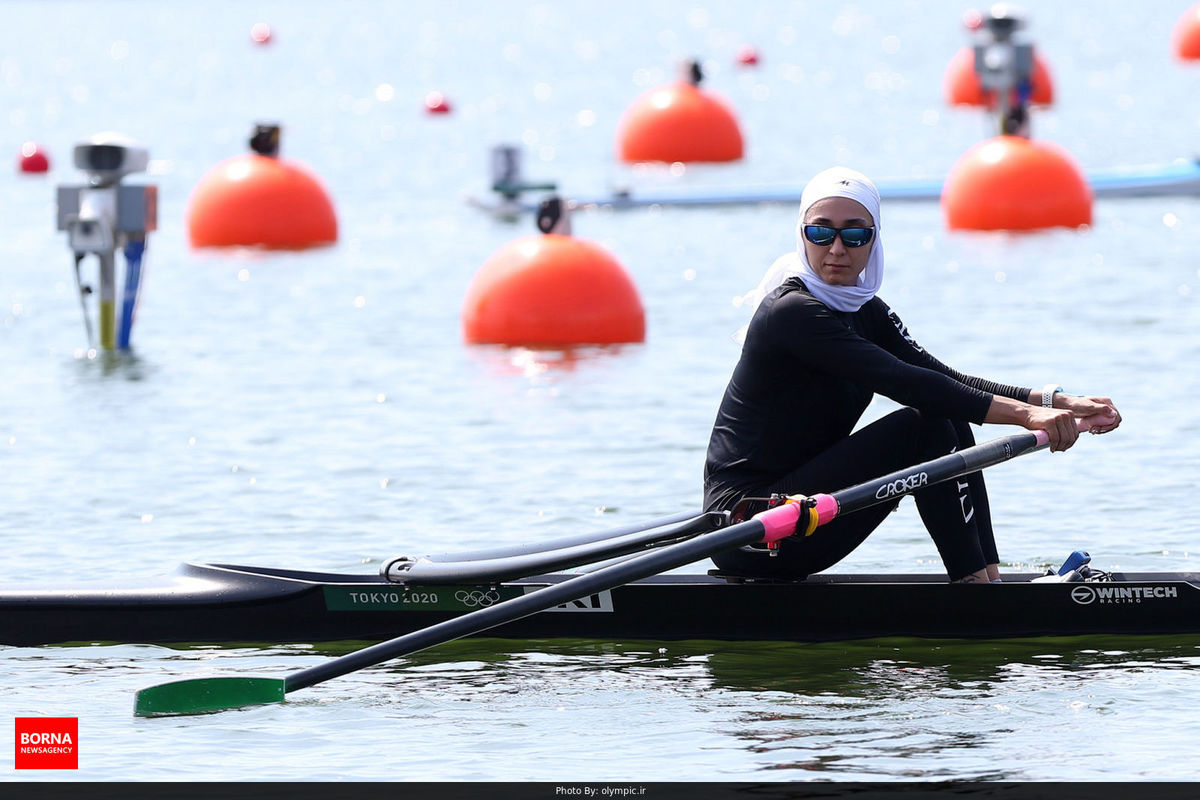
(833, 182)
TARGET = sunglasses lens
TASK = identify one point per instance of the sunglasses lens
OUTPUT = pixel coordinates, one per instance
(856, 237)
(823, 235)
(820, 235)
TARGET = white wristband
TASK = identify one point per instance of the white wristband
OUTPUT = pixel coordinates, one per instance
(1048, 392)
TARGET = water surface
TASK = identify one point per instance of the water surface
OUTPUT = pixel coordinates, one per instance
(319, 410)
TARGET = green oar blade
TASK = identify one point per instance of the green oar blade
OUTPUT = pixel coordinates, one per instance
(199, 695)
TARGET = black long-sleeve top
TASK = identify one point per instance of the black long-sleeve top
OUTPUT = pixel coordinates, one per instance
(805, 377)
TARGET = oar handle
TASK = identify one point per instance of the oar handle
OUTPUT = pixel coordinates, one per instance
(1082, 425)
(824, 508)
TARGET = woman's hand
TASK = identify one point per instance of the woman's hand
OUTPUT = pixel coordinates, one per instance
(1099, 412)
(1058, 423)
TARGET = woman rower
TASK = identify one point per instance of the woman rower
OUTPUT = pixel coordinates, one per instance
(820, 345)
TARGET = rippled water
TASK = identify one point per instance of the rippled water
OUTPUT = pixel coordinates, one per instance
(1059, 709)
(318, 409)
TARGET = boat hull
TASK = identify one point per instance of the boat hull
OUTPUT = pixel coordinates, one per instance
(224, 604)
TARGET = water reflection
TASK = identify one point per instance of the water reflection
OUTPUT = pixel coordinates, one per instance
(831, 674)
(536, 362)
(894, 709)
(851, 671)
(934, 710)
(905, 709)
(889, 667)
(91, 364)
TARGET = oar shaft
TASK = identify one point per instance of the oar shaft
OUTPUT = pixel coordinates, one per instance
(426, 573)
(538, 561)
(569, 541)
(910, 479)
(773, 523)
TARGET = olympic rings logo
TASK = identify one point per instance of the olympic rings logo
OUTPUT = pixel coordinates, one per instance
(477, 599)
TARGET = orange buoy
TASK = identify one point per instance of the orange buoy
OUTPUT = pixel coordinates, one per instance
(552, 290)
(1013, 183)
(259, 200)
(962, 88)
(1185, 36)
(679, 122)
(32, 158)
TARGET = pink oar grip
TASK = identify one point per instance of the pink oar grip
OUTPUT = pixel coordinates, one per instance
(779, 522)
(827, 508)
(1094, 421)
(1084, 425)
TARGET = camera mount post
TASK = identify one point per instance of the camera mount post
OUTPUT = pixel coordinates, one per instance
(103, 216)
(1004, 64)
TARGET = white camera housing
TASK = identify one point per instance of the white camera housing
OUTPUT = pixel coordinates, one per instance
(108, 157)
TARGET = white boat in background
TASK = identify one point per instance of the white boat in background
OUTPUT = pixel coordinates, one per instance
(1179, 178)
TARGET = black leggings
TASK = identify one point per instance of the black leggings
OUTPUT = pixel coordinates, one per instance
(955, 512)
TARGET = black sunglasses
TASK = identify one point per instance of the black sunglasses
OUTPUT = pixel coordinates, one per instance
(823, 235)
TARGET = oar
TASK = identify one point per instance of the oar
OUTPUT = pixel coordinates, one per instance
(823, 508)
(215, 694)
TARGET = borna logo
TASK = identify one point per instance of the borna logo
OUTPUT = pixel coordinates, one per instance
(46, 743)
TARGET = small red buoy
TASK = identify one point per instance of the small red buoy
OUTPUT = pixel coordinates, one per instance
(1013, 183)
(748, 56)
(679, 122)
(552, 290)
(32, 158)
(961, 85)
(260, 33)
(1185, 36)
(436, 103)
(254, 200)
